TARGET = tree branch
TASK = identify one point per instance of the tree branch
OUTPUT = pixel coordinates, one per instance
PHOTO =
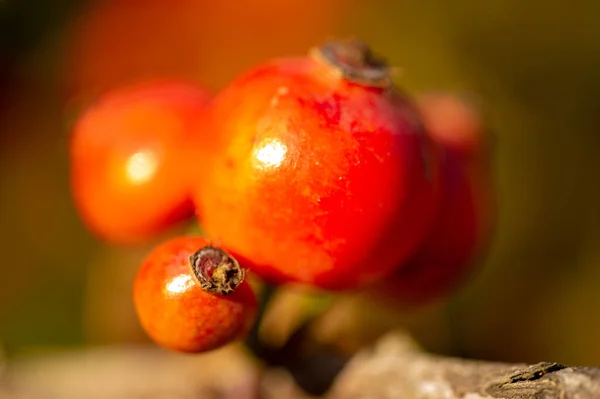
(394, 368)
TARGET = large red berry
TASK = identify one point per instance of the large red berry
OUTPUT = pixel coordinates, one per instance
(319, 170)
(192, 297)
(127, 175)
(462, 226)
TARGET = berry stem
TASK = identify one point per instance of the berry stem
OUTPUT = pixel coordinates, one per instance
(253, 341)
(314, 370)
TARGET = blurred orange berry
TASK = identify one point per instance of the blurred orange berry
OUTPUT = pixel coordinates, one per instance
(127, 170)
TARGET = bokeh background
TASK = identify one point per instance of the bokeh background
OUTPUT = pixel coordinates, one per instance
(535, 67)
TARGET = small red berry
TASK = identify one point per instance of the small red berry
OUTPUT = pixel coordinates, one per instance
(127, 175)
(318, 170)
(192, 297)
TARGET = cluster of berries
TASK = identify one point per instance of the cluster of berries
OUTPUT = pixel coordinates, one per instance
(314, 170)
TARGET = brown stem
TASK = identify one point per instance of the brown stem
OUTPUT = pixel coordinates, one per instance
(312, 366)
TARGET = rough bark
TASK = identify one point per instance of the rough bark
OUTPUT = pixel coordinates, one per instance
(394, 368)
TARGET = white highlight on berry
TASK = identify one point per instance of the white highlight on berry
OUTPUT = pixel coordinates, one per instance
(142, 166)
(270, 153)
(180, 284)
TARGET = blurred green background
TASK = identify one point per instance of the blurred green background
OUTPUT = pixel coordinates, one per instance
(535, 65)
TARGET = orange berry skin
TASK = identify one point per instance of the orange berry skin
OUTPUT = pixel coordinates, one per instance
(314, 178)
(179, 315)
(127, 175)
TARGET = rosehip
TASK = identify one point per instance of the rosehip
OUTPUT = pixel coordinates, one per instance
(192, 297)
(463, 222)
(319, 170)
(126, 173)
(447, 255)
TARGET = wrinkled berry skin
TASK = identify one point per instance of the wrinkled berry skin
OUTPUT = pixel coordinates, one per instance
(126, 159)
(316, 179)
(462, 228)
(177, 313)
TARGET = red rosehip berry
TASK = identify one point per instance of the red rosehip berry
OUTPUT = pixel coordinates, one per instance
(192, 297)
(463, 222)
(127, 176)
(447, 256)
(318, 170)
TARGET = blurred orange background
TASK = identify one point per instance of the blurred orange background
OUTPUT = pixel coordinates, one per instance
(534, 66)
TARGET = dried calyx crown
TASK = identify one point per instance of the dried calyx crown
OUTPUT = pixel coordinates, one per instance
(353, 60)
(216, 271)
